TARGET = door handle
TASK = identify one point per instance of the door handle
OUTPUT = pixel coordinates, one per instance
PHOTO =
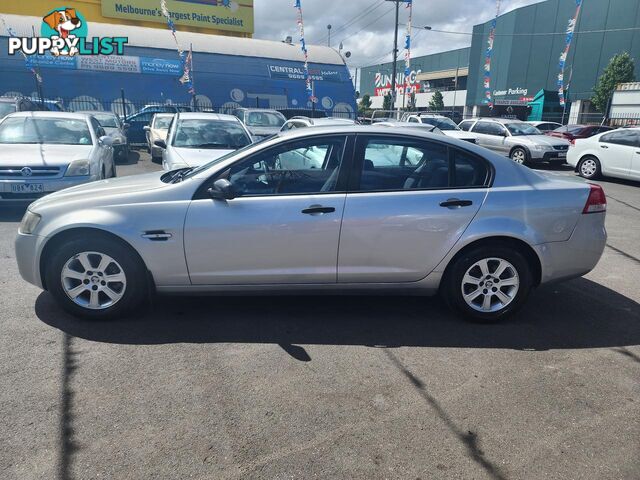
(454, 202)
(603, 146)
(157, 236)
(318, 210)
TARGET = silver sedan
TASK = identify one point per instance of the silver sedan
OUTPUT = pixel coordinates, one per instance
(337, 209)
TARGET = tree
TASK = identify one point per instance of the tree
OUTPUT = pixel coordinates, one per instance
(386, 104)
(437, 101)
(365, 103)
(619, 70)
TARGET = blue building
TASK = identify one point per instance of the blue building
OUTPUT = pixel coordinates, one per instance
(228, 72)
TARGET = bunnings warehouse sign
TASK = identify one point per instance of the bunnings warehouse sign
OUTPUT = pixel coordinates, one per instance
(232, 15)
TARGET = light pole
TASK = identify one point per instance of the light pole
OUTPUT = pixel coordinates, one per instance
(395, 55)
(329, 30)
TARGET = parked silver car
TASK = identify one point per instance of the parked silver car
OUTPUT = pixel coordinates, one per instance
(339, 209)
(157, 130)
(42, 152)
(521, 142)
(116, 129)
(306, 122)
(443, 124)
(197, 138)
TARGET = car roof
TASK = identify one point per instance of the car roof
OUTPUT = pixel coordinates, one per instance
(270, 110)
(324, 120)
(97, 112)
(206, 116)
(164, 114)
(50, 114)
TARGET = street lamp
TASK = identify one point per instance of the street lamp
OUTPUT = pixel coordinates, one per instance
(329, 30)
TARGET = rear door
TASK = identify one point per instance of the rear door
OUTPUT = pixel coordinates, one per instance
(491, 135)
(409, 201)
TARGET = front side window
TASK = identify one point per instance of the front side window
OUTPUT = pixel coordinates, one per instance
(413, 120)
(628, 138)
(307, 166)
(45, 130)
(466, 126)
(395, 164)
(489, 128)
(213, 134)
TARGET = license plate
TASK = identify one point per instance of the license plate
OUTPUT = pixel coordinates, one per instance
(27, 188)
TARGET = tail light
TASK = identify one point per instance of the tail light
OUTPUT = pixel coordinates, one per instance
(573, 141)
(597, 201)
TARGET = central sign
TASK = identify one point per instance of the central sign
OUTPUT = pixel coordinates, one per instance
(232, 15)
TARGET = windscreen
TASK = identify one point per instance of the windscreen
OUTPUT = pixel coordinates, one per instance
(520, 128)
(264, 119)
(214, 134)
(106, 120)
(62, 131)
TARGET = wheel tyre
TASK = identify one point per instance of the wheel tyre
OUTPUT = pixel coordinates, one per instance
(519, 155)
(589, 168)
(136, 290)
(452, 284)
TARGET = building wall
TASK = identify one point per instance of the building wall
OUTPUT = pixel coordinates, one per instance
(379, 76)
(92, 12)
(530, 62)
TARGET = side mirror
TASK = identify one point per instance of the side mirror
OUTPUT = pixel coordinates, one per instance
(125, 125)
(146, 128)
(106, 140)
(160, 143)
(222, 190)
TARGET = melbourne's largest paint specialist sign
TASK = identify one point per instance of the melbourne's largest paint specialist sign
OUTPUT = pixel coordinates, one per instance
(233, 15)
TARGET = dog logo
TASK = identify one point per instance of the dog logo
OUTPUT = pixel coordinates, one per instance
(64, 23)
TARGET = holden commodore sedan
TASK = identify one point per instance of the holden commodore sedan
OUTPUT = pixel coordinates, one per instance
(42, 152)
(324, 210)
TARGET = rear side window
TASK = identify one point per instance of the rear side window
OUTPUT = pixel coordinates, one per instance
(466, 126)
(469, 170)
(628, 138)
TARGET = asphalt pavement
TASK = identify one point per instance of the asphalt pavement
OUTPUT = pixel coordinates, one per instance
(328, 387)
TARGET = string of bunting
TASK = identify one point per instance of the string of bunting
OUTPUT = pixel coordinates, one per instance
(305, 53)
(186, 59)
(563, 57)
(407, 47)
(487, 59)
(12, 34)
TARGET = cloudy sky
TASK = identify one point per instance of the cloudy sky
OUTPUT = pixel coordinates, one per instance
(366, 26)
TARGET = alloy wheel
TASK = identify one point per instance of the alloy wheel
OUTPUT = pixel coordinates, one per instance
(490, 285)
(93, 280)
(518, 156)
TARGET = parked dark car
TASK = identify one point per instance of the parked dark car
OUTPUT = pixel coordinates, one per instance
(573, 132)
(17, 104)
(136, 133)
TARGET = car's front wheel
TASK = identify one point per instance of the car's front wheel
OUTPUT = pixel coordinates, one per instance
(96, 278)
(519, 155)
(488, 284)
(589, 168)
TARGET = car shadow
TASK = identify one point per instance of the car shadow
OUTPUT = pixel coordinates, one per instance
(132, 159)
(555, 167)
(576, 314)
(12, 214)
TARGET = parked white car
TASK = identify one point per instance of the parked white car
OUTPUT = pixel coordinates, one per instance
(612, 154)
(545, 127)
(444, 124)
(43, 152)
(157, 130)
(198, 138)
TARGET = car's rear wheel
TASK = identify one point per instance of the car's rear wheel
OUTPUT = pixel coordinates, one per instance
(488, 284)
(96, 278)
(519, 155)
(589, 167)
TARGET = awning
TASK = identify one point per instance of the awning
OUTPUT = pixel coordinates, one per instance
(462, 72)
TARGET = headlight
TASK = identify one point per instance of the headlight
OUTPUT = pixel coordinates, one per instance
(542, 148)
(29, 222)
(78, 168)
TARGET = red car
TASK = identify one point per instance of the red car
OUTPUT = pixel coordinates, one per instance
(573, 132)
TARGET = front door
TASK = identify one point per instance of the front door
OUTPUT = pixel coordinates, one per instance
(617, 150)
(283, 227)
(410, 202)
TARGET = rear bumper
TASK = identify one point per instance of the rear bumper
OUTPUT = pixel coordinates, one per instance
(578, 255)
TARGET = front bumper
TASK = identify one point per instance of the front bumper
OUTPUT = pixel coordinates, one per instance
(578, 255)
(28, 248)
(49, 185)
(548, 155)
